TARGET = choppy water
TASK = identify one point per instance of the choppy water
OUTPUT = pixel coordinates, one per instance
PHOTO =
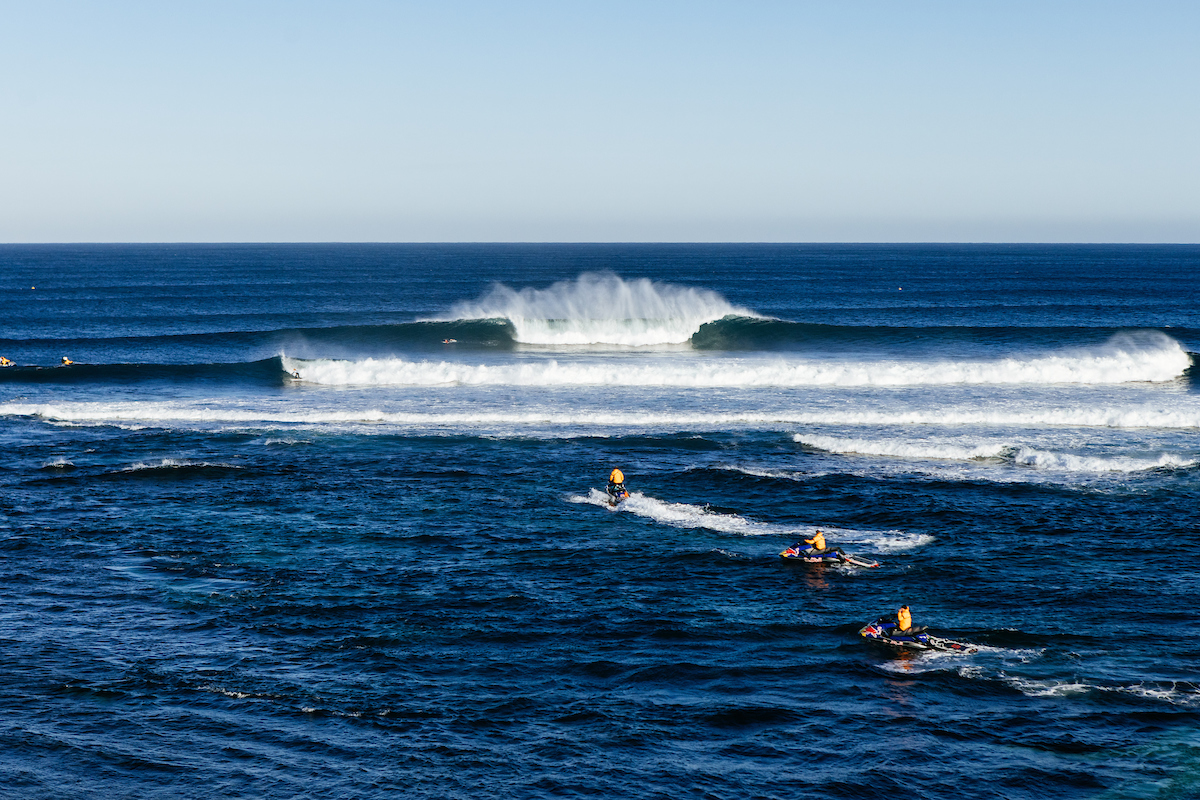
(397, 572)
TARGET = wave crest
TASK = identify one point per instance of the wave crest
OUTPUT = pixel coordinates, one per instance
(601, 309)
(1126, 358)
(1011, 452)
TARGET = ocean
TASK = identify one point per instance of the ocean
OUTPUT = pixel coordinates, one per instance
(329, 520)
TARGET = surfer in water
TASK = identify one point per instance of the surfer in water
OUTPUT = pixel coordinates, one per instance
(66, 362)
(616, 487)
(4, 362)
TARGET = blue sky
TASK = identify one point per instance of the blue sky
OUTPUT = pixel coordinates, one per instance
(566, 121)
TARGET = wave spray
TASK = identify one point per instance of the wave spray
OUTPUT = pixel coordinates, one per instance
(602, 309)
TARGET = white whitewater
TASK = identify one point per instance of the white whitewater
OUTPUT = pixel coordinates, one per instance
(1019, 454)
(381, 411)
(686, 515)
(1151, 357)
(601, 309)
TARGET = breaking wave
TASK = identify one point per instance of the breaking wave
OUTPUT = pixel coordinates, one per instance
(601, 309)
(153, 412)
(1149, 356)
(1014, 453)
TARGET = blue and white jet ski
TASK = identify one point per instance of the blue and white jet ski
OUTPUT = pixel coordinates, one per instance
(883, 631)
(831, 555)
(616, 495)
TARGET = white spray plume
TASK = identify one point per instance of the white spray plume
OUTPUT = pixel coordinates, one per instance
(602, 309)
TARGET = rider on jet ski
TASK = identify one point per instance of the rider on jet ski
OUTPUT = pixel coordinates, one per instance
(904, 626)
(616, 486)
(817, 542)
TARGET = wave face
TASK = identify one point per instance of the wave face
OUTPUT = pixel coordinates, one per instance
(602, 309)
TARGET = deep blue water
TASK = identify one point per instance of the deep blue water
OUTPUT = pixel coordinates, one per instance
(397, 575)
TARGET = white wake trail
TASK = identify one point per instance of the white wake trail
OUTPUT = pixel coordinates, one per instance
(686, 515)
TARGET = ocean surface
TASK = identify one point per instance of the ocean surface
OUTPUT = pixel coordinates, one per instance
(329, 521)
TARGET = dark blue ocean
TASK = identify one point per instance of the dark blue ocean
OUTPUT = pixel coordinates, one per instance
(328, 520)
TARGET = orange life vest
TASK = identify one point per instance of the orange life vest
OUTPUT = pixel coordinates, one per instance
(904, 619)
(817, 541)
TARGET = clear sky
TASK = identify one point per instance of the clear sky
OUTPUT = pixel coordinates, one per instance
(854, 120)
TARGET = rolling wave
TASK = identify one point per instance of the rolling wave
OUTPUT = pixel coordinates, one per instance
(752, 334)
(1145, 356)
(1013, 453)
(152, 412)
(346, 339)
(692, 319)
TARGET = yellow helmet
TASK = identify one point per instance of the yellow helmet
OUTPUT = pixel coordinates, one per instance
(617, 476)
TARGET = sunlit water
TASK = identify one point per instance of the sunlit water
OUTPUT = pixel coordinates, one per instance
(329, 520)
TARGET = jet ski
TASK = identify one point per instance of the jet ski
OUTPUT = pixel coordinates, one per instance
(810, 555)
(617, 495)
(883, 631)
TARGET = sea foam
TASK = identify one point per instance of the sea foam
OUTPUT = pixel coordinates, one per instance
(1012, 452)
(1152, 357)
(157, 412)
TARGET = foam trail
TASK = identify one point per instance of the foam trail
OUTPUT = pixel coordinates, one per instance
(938, 660)
(1174, 693)
(685, 515)
(176, 463)
(602, 309)
(1155, 357)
